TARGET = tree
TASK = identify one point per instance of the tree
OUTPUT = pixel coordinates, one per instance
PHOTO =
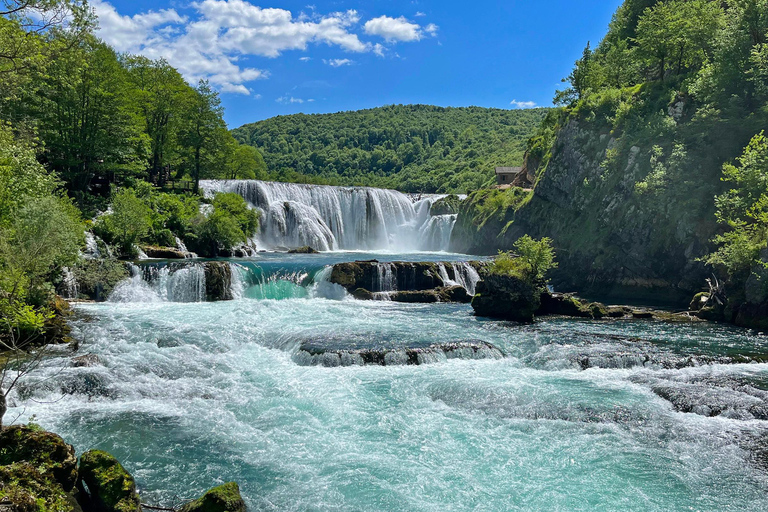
(538, 257)
(128, 221)
(579, 80)
(204, 130)
(245, 163)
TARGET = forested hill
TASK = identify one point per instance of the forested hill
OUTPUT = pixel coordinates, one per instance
(413, 148)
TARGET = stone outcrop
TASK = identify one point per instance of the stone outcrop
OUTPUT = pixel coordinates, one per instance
(303, 250)
(107, 485)
(218, 281)
(96, 278)
(224, 498)
(448, 205)
(506, 298)
(164, 253)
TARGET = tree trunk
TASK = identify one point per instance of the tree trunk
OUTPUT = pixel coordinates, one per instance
(3, 408)
(197, 169)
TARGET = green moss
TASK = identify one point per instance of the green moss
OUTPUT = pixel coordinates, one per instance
(110, 485)
(225, 498)
(47, 452)
(28, 490)
(97, 278)
(446, 205)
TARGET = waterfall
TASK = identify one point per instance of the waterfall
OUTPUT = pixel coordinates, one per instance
(161, 284)
(92, 251)
(69, 283)
(466, 276)
(142, 254)
(183, 248)
(386, 278)
(340, 218)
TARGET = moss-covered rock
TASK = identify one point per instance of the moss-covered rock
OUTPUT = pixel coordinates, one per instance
(225, 498)
(97, 278)
(699, 301)
(507, 298)
(25, 489)
(47, 452)
(109, 486)
(56, 329)
(218, 281)
(303, 250)
(166, 253)
(447, 205)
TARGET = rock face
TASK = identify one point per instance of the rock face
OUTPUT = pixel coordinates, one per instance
(218, 281)
(108, 485)
(225, 498)
(38, 471)
(448, 205)
(506, 298)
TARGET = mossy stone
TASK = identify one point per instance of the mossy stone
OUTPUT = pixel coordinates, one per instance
(225, 498)
(110, 487)
(25, 489)
(48, 453)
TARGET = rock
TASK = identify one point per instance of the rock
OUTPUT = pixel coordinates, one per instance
(97, 278)
(225, 498)
(218, 281)
(405, 276)
(46, 452)
(642, 314)
(303, 250)
(324, 353)
(699, 301)
(363, 294)
(165, 253)
(419, 296)
(24, 489)
(109, 486)
(448, 205)
(56, 329)
(564, 304)
(506, 298)
(86, 361)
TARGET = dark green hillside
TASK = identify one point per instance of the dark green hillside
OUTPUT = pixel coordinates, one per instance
(414, 148)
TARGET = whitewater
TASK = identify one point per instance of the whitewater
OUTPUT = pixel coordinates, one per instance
(563, 414)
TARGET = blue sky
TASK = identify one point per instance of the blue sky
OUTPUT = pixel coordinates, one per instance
(277, 58)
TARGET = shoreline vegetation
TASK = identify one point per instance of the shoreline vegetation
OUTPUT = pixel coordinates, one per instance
(648, 181)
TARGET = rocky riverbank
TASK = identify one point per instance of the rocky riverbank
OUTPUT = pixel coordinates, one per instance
(40, 472)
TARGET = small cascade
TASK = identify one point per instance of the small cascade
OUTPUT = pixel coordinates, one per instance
(340, 218)
(92, 251)
(447, 281)
(323, 288)
(466, 276)
(183, 248)
(142, 254)
(69, 284)
(237, 283)
(162, 284)
(386, 278)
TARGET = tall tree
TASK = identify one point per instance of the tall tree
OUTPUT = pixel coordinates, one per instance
(204, 132)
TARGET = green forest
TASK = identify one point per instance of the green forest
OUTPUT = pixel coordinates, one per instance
(412, 148)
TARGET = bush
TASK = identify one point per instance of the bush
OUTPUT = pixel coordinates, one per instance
(532, 261)
(128, 222)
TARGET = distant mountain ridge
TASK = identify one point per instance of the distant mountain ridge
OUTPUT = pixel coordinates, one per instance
(412, 148)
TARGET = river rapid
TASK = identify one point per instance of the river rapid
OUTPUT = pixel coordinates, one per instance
(566, 415)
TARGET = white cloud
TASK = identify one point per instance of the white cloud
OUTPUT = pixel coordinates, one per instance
(393, 29)
(289, 99)
(212, 43)
(305, 59)
(337, 63)
(419, 14)
(522, 104)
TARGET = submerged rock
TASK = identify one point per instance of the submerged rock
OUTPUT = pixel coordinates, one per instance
(506, 298)
(320, 354)
(719, 397)
(224, 498)
(86, 361)
(109, 487)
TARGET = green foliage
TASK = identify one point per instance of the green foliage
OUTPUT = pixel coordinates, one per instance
(414, 148)
(231, 223)
(532, 260)
(744, 209)
(127, 223)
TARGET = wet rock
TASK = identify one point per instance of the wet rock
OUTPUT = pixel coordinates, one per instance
(56, 329)
(218, 281)
(699, 301)
(50, 456)
(165, 253)
(642, 314)
(442, 294)
(320, 354)
(86, 361)
(303, 250)
(107, 485)
(506, 298)
(225, 498)
(723, 398)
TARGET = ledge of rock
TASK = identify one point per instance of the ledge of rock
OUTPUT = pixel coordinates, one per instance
(165, 253)
(109, 487)
(303, 250)
(506, 298)
(218, 281)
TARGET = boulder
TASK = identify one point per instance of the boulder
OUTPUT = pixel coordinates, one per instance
(86, 361)
(506, 298)
(218, 281)
(109, 487)
(164, 253)
(25, 489)
(46, 452)
(448, 205)
(406, 276)
(225, 498)
(699, 301)
(303, 250)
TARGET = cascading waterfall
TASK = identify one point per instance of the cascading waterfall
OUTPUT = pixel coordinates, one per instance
(69, 283)
(466, 276)
(164, 284)
(183, 248)
(340, 218)
(92, 251)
